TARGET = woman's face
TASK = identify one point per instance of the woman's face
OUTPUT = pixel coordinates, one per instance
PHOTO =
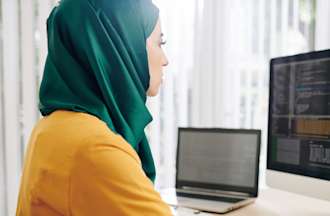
(156, 59)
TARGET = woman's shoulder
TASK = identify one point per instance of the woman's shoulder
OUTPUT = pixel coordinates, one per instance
(108, 141)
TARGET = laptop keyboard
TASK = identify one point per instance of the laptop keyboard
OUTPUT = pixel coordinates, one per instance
(208, 197)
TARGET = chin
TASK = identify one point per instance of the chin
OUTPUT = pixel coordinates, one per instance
(152, 92)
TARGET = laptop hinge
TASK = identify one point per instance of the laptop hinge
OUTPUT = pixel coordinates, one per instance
(213, 192)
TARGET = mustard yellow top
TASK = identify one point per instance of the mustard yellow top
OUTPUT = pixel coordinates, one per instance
(76, 166)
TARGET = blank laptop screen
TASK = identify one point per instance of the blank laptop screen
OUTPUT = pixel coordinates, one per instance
(216, 157)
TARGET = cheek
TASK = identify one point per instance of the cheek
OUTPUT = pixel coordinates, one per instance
(154, 60)
(155, 69)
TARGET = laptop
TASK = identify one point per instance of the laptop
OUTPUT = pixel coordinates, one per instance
(217, 169)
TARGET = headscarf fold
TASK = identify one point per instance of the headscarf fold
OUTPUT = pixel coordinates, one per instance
(97, 63)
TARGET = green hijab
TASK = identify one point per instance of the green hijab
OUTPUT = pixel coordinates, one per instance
(97, 63)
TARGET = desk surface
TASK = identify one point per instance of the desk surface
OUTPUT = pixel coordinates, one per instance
(272, 202)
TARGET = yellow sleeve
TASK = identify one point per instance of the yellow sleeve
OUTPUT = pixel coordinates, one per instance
(107, 180)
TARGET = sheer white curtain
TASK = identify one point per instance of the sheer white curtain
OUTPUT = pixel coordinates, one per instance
(322, 30)
(10, 147)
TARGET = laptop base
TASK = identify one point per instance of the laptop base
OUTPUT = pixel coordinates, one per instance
(207, 205)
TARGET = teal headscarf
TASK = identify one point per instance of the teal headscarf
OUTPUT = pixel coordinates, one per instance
(97, 63)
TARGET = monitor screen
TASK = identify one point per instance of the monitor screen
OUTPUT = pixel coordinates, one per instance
(218, 157)
(299, 115)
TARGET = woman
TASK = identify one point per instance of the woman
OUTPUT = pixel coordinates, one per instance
(89, 154)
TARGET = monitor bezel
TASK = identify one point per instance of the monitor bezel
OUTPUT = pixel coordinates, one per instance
(252, 191)
(292, 169)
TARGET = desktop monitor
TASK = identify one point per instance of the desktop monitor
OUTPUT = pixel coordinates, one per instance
(298, 154)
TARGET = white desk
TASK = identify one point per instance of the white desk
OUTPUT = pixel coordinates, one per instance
(272, 202)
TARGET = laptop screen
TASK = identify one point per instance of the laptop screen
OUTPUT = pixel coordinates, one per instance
(222, 157)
